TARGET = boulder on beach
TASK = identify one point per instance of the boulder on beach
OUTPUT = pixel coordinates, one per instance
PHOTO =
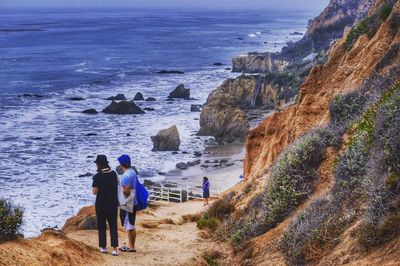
(122, 108)
(184, 166)
(180, 92)
(118, 97)
(166, 140)
(151, 99)
(138, 97)
(84, 220)
(170, 72)
(90, 111)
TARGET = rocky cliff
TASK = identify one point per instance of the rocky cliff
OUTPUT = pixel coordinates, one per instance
(330, 25)
(283, 73)
(322, 176)
(342, 73)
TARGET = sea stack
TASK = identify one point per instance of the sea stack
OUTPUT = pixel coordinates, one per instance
(166, 140)
(180, 92)
(123, 108)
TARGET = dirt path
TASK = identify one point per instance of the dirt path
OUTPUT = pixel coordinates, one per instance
(164, 238)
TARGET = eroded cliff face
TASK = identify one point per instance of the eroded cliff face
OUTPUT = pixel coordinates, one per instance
(340, 11)
(259, 63)
(229, 108)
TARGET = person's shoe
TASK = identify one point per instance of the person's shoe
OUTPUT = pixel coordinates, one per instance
(114, 253)
(103, 250)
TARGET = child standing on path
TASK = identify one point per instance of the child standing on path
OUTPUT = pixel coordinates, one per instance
(206, 190)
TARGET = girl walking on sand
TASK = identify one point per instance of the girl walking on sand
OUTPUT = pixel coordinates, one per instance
(206, 190)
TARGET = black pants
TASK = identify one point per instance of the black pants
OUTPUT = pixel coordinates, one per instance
(110, 216)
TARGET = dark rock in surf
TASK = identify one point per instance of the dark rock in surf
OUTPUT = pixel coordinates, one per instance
(218, 64)
(118, 97)
(138, 97)
(90, 111)
(196, 108)
(86, 175)
(30, 95)
(151, 99)
(122, 108)
(76, 99)
(180, 92)
(170, 72)
(150, 109)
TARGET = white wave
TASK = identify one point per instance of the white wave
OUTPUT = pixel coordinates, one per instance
(252, 35)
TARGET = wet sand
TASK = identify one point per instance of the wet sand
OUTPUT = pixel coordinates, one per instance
(221, 176)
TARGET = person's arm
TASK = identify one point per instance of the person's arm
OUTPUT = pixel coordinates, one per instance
(126, 185)
(127, 190)
(95, 185)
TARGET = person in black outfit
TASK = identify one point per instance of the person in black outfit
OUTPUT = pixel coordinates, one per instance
(105, 187)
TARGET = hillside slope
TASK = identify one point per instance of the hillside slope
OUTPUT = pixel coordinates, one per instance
(322, 177)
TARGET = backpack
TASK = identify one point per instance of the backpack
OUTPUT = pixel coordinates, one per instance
(142, 196)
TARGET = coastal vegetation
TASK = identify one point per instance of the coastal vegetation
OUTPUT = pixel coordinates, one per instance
(370, 24)
(11, 218)
(366, 175)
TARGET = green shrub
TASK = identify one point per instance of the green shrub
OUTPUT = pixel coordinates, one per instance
(212, 257)
(388, 133)
(374, 234)
(207, 222)
(293, 175)
(381, 184)
(291, 181)
(345, 108)
(11, 218)
(384, 11)
(221, 208)
(369, 25)
(395, 23)
(317, 226)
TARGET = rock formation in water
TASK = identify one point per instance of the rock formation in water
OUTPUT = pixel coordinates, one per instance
(166, 140)
(138, 97)
(180, 92)
(118, 97)
(122, 108)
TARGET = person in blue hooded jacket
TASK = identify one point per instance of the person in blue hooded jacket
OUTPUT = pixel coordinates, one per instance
(128, 182)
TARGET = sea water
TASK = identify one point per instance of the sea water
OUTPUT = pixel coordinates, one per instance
(46, 142)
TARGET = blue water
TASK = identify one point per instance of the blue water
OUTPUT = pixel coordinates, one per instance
(97, 54)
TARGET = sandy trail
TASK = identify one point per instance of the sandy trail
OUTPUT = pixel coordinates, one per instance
(164, 238)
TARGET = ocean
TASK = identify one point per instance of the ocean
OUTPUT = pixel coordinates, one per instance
(46, 143)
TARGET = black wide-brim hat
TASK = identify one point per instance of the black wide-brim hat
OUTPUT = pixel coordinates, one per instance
(101, 159)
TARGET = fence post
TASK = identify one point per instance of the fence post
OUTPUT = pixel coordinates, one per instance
(187, 192)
